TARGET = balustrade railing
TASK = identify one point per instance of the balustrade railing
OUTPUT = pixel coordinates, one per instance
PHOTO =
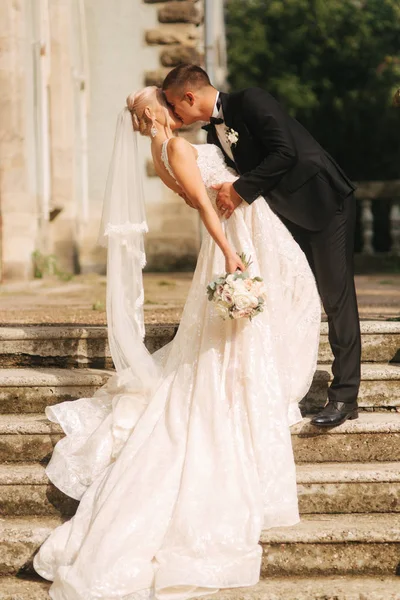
(368, 192)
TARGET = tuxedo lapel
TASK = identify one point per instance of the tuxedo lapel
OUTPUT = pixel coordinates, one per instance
(228, 116)
(212, 137)
(233, 119)
(225, 103)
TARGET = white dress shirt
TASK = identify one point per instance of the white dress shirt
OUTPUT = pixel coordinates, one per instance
(221, 129)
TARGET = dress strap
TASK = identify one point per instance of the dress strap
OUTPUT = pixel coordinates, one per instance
(164, 158)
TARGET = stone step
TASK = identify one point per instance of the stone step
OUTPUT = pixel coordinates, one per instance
(372, 437)
(318, 545)
(26, 490)
(333, 545)
(30, 390)
(379, 389)
(274, 588)
(19, 540)
(316, 588)
(349, 488)
(29, 437)
(87, 346)
(380, 342)
(323, 488)
(68, 346)
(18, 588)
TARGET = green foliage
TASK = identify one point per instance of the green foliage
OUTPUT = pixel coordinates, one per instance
(246, 260)
(46, 264)
(98, 305)
(334, 64)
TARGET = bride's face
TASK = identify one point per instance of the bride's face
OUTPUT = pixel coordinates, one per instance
(174, 121)
(166, 116)
(184, 105)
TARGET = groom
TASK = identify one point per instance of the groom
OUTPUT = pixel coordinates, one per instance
(278, 159)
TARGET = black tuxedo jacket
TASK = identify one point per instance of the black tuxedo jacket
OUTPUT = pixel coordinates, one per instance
(278, 159)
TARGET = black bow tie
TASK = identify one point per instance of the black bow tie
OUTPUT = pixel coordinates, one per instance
(216, 121)
(213, 121)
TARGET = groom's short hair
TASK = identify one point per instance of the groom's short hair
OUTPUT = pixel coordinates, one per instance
(186, 76)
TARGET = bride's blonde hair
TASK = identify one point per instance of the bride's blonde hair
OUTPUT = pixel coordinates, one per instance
(138, 101)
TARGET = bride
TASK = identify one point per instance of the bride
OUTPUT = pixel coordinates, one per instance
(183, 457)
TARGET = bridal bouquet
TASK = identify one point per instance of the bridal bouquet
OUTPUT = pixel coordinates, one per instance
(237, 295)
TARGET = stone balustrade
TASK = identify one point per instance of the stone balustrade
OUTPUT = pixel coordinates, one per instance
(368, 192)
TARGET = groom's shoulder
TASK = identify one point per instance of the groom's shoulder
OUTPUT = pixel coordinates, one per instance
(253, 94)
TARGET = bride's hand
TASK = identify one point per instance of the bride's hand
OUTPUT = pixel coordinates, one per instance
(233, 263)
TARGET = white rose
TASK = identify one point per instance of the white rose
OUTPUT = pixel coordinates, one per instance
(242, 301)
(232, 136)
(254, 301)
(239, 286)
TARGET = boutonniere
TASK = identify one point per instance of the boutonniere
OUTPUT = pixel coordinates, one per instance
(232, 136)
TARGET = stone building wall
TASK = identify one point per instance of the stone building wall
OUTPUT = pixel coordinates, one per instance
(170, 32)
(38, 174)
(18, 230)
(174, 234)
(179, 38)
(66, 68)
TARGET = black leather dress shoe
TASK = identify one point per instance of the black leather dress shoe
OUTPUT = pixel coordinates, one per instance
(335, 413)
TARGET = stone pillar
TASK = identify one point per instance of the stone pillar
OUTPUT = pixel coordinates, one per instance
(62, 125)
(174, 228)
(179, 35)
(19, 220)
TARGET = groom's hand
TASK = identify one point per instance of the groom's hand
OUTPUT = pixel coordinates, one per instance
(228, 199)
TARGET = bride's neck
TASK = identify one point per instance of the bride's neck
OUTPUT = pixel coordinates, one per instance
(163, 133)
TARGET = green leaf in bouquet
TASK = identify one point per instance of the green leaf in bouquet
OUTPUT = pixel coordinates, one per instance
(246, 260)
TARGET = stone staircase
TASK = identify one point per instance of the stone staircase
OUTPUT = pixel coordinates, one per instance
(347, 546)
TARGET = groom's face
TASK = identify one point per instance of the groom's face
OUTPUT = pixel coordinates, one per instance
(183, 104)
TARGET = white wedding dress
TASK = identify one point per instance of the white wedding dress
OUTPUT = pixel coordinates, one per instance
(176, 490)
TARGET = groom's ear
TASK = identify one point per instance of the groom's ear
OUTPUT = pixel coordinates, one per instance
(189, 97)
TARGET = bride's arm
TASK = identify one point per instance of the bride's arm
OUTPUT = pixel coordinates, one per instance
(183, 163)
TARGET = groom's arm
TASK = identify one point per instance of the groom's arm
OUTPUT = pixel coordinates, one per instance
(266, 121)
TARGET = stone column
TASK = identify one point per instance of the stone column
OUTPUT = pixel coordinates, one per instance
(175, 230)
(19, 219)
(62, 125)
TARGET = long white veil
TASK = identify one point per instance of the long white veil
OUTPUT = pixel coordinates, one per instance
(97, 428)
(122, 230)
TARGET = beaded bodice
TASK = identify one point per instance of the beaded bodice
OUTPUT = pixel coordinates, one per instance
(211, 163)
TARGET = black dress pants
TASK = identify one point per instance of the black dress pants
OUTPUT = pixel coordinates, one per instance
(330, 254)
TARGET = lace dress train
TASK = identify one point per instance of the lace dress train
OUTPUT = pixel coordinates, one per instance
(175, 489)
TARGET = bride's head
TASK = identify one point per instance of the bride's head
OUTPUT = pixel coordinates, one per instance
(149, 109)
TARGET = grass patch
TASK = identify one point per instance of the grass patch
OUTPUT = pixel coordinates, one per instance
(165, 283)
(98, 305)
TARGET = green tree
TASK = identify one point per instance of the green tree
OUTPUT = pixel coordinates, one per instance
(334, 64)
